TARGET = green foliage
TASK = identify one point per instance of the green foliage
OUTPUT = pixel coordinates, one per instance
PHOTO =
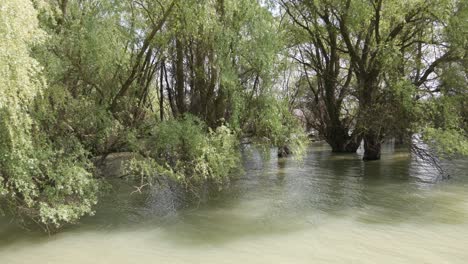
(447, 142)
(186, 151)
(38, 180)
(444, 126)
(69, 121)
(272, 123)
(42, 180)
(397, 112)
(457, 28)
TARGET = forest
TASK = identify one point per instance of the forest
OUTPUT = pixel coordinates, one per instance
(184, 84)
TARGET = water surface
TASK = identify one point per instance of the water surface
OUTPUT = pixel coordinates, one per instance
(329, 208)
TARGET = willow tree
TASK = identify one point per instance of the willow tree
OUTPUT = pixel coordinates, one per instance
(101, 60)
(395, 51)
(327, 71)
(381, 38)
(445, 111)
(46, 184)
(219, 51)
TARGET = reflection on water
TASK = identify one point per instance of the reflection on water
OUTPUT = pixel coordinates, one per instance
(327, 208)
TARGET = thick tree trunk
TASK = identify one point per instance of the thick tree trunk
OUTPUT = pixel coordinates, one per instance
(370, 117)
(372, 146)
(353, 144)
(341, 142)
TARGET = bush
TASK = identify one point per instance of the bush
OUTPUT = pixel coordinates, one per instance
(271, 121)
(40, 182)
(39, 179)
(188, 152)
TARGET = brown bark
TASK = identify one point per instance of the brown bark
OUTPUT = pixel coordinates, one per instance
(179, 77)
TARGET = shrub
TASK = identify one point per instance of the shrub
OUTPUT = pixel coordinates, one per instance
(271, 121)
(188, 152)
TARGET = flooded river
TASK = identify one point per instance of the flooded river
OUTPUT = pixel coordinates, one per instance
(328, 208)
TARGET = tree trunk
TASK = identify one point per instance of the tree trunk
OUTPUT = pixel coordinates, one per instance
(137, 66)
(372, 146)
(161, 91)
(198, 96)
(169, 90)
(370, 116)
(179, 78)
(341, 142)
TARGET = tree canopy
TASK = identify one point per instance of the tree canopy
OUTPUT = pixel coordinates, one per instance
(182, 82)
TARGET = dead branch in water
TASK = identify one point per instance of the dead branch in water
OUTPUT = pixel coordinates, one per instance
(425, 154)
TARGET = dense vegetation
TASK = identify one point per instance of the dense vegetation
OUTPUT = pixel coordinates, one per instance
(182, 82)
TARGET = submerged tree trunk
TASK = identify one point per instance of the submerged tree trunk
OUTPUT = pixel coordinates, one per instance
(372, 146)
(371, 112)
(340, 141)
(284, 151)
(344, 145)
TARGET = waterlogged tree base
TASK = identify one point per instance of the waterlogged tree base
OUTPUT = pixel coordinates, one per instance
(345, 147)
(284, 152)
(371, 152)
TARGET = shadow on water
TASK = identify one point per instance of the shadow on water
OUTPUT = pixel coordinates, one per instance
(277, 196)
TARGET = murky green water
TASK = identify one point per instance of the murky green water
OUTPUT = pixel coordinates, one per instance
(331, 209)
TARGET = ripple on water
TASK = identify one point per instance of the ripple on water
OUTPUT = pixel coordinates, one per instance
(329, 208)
